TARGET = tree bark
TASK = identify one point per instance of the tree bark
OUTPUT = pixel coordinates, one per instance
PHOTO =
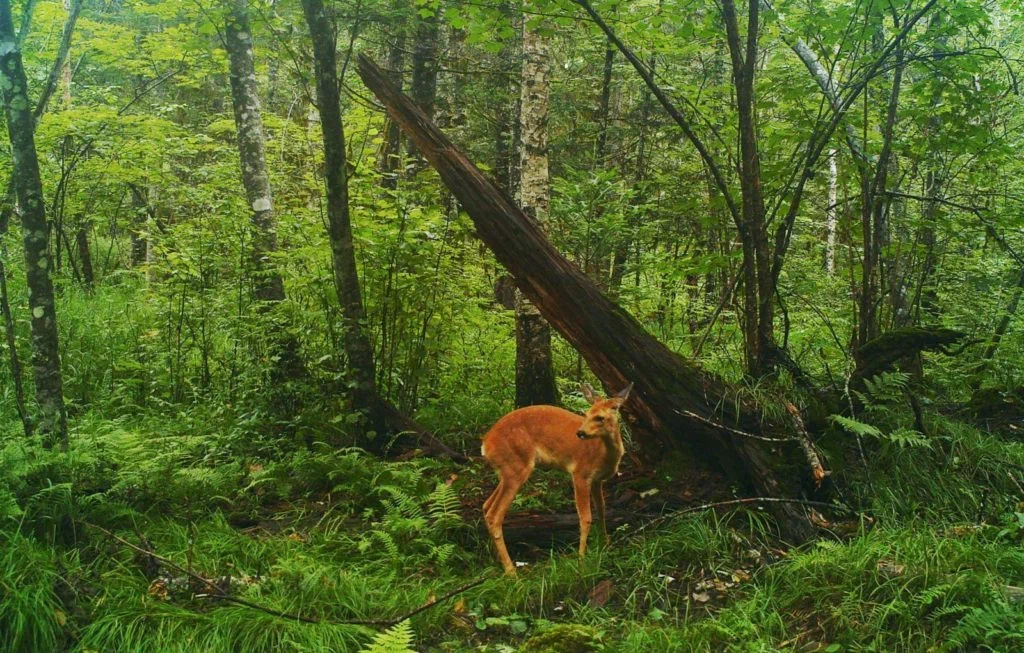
(65, 72)
(604, 108)
(12, 345)
(52, 420)
(339, 227)
(759, 286)
(625, 241)
(668, 389)
(874, 212)
(423, 85)
(268, 285)
(379, 417)
(7, 202)
(831, 213)
(535, 378)
(142, 215)
(84, 254)
(391, 156)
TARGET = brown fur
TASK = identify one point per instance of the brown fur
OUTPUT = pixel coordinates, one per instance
(548, 435)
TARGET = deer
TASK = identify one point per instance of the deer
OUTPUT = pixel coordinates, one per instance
(588, 446)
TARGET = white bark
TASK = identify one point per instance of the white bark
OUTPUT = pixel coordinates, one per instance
(833, 194)
(534, 195)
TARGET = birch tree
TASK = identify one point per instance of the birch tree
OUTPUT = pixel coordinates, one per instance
(535, 379)
(269, 287)
(52, 422)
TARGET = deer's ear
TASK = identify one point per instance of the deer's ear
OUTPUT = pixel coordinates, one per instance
(588, 393)
(623, 394)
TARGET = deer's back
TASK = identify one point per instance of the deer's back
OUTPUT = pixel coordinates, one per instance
(545, 434)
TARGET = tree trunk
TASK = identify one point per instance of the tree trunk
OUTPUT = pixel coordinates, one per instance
(268, 285)
(831, 213)
(625, 241)
(506, 86)
(7, 202)
(604, 109)
(12, 346)
(380, 417)
(141, 216)
(391, 156)
(669, 391)
(346, 280)
(84, 254)
(874, 208)
(759, 285)
(65, 71)
(28, 186)
(424, 61)
(535, 378)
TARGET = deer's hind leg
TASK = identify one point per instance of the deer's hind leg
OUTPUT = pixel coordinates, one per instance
(499, 501)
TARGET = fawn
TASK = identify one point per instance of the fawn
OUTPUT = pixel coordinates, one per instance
(589, 447)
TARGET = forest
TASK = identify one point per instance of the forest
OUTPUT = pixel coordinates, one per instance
(296, 294)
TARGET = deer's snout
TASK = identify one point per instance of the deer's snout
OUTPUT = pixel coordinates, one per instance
(581, 434)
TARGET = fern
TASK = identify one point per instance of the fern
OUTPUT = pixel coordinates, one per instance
(397, 639)
(996, 626)
(856, 427)
(909, 438)
(443, 505)
(885, 388)
(901, 437)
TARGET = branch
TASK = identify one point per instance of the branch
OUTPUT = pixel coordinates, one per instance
(218, 593)
(821, 136)
(26, 22)
(742, 502)
(7, 202)
(989, 228)
(818, 472)
(678, 117)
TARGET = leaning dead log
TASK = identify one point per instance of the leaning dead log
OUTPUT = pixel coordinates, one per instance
(617, 348)
(882, 353)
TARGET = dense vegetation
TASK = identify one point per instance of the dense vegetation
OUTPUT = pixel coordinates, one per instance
(818, 204)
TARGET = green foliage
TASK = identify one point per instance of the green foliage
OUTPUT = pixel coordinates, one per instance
(177, 426)
(31, 615)
(397, 639)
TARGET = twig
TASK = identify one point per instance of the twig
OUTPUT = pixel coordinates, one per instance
(726, 296)
(729, 429)
(818, 472)
(1015, 482)
(219, 594)
(445, 597)
(738, 502)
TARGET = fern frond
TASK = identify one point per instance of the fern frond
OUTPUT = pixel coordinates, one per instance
(397, 639)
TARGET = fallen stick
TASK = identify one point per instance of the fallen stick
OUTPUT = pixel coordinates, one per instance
(219, 594)
(739, 502)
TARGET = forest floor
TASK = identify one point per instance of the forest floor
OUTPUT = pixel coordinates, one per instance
(154, 535)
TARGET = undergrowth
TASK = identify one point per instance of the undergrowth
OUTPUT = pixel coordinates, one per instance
(333, 535)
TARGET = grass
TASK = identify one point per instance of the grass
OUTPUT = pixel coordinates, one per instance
(335, 535)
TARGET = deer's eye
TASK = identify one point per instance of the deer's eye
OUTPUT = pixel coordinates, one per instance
(599, 419)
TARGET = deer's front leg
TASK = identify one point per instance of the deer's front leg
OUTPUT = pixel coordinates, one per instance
(599, 505)
(581, 490)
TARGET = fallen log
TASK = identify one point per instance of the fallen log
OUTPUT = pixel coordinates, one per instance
(668, 389)
(882, 353)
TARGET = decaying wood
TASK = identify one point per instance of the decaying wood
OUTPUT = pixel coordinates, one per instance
(882, 353)
(615, 345)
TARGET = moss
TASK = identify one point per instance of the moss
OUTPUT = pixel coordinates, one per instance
(572, 638)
